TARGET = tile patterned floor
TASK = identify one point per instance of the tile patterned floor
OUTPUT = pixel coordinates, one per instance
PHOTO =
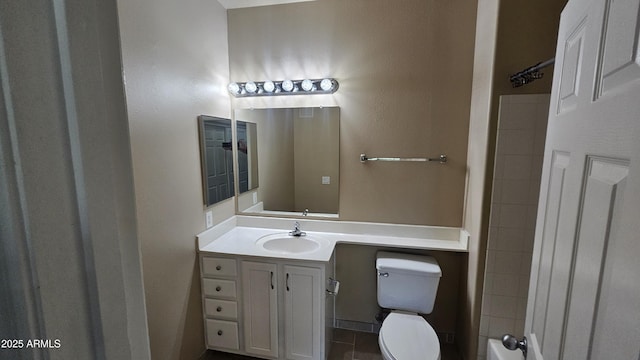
(347, 345)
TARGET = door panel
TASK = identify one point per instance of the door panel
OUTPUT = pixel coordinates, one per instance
(303, 313)
(550, 232)
(618, 60)
(603, 190)
(571, 68)
(259, 292)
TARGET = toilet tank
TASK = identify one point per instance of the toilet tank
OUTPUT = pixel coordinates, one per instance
(407, 282)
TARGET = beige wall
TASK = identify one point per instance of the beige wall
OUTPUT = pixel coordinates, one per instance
(175, 68)
(405, 80)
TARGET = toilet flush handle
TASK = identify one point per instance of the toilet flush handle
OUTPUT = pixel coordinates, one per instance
(383, 274)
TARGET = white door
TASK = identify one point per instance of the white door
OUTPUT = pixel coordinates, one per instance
(584, 294)
(260, 299)
(303, 313)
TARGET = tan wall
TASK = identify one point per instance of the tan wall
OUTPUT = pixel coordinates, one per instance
(405, 83)
(175, 67)
(405, 80)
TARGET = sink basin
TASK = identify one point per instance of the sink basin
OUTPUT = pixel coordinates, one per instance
(285, 244)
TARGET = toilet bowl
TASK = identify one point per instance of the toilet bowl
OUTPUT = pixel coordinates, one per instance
(407, 336)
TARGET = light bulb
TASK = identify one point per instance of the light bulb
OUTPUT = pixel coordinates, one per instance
(251, 87)
(287, 85)
(307, 85)
(326, 84)
(234, 88)
(269, 86)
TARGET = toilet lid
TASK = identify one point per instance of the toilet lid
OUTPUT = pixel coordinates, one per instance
(405, 336)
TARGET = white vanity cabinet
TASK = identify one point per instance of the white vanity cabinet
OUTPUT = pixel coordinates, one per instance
(283, 309)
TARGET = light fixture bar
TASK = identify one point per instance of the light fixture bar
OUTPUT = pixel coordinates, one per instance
(284, 87)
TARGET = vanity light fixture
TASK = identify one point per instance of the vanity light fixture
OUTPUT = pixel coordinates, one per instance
(285, 87)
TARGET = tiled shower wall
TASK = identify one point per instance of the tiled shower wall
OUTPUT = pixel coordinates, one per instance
(521, 135)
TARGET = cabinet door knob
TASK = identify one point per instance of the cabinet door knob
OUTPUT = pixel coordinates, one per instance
(218, 267)
(219, 332)
(218, 288)
(219, 309)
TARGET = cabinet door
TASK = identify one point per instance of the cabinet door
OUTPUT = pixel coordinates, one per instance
(304, 332)
(259, 293)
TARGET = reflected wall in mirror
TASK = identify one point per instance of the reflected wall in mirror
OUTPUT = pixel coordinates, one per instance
(299, 158)
(216, 158)
(247, 133)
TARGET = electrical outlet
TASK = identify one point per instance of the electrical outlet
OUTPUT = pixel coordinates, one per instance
(209, 218)
(326, 180)
(255, 198)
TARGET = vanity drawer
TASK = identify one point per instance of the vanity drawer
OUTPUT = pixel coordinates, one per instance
(222, 334)
(219, 266)
(219, 288)
(221, 309)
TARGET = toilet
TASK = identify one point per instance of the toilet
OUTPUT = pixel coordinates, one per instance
(407, 285)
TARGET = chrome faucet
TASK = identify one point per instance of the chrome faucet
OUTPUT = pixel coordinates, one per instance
(305, 212)
(296, 230)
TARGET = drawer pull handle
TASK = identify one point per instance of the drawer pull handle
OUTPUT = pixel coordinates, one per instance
(287, 281)
(218, 267)
(272, 280)
(219, 309)
(218, 288)
(219, 332)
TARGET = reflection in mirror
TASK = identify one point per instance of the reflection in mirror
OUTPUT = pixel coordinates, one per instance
(299, 161)
(247, 133)
(216, 158)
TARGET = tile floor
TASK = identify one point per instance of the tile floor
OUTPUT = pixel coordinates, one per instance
(347, 345)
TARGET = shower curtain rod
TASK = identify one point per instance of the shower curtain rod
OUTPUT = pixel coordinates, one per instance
(530, 74)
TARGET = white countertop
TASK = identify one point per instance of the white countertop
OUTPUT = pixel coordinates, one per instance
(239, 234)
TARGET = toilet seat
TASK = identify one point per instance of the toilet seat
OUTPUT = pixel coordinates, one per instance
(407, 336)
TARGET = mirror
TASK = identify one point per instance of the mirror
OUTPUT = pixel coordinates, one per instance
(216, 158)
(297, 151)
